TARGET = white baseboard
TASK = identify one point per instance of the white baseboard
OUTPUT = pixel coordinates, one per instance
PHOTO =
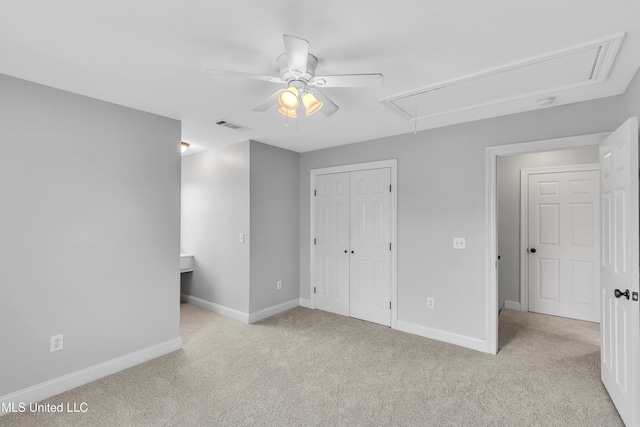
(270, 311)
(75, 379)
(512, 305)
(305, 302)
(216, 308)
(440, 335)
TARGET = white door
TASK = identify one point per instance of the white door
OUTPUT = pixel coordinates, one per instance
(332, 243)
(370, 278)
(564, 244)
(620, 252)
(352, 271)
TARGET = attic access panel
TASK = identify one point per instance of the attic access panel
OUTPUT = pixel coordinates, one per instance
(582, 65)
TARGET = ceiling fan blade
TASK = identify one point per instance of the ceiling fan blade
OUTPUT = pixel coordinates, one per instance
(349, 80)
(238, 74)
(268, 102)
(297, 50)
(328, 106)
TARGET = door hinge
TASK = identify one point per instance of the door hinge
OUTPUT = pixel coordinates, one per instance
(389, 246)
(314, 192)
(389, 188)
(314, 289)
(389, 305)
(314, 240)
(634, 296)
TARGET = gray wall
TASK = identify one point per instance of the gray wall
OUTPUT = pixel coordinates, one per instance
(247, 187)
(89, 225)
(632, 97)
(441, 194)
(508, 209)
(215, 210)
(275, 224)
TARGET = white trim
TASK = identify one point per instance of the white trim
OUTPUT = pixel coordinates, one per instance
(440, 335)
(75, 379)
(524, 219)
(512, 305)
(393, 165)
(305, 302)
(491, 255)
(492, 154)
(216, 308)
(275, 309)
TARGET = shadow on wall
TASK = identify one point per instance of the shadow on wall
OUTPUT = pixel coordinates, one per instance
(185, 282)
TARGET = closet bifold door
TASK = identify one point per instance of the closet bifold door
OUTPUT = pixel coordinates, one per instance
(332, 243)
(370, 239)
(353, 244)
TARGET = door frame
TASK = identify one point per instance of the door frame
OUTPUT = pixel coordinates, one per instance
(393, 165)
(491, 226)
(524, 219)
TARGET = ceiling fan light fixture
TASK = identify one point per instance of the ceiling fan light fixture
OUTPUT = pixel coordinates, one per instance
(184, 146)
(311, 104)
(288, 112)
(288, 98)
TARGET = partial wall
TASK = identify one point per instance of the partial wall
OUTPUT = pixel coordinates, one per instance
(215, 212)
(89, 225)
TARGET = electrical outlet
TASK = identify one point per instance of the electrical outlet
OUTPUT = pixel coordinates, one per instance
(431, 303)
(459, 243)
(279, 285)
(57, 343)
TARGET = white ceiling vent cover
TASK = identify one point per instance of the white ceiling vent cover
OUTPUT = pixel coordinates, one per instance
(581, 65)
(230, 125)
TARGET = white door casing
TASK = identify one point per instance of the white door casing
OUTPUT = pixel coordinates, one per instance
(563, 241)
(332, 243)
(370, 254)
(620, 255)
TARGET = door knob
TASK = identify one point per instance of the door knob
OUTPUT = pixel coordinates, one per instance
(345, 251)
(532, 250)
(619, 294)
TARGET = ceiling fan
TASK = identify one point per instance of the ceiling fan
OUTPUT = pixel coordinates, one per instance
(298, 72)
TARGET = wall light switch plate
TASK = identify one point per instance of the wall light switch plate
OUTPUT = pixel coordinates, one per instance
(459, 243)
(241, 237)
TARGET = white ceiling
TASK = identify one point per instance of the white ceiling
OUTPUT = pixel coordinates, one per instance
(153, 55)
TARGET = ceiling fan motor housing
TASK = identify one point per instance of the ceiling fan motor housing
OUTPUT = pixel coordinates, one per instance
(289, 77)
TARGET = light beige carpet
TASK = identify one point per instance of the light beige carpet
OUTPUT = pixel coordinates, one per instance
(311, 368)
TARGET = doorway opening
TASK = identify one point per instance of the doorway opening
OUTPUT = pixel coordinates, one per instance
(493, 154)
(548, 219)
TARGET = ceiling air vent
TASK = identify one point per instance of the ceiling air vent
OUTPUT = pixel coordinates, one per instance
(542, 75)
(230, 125)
